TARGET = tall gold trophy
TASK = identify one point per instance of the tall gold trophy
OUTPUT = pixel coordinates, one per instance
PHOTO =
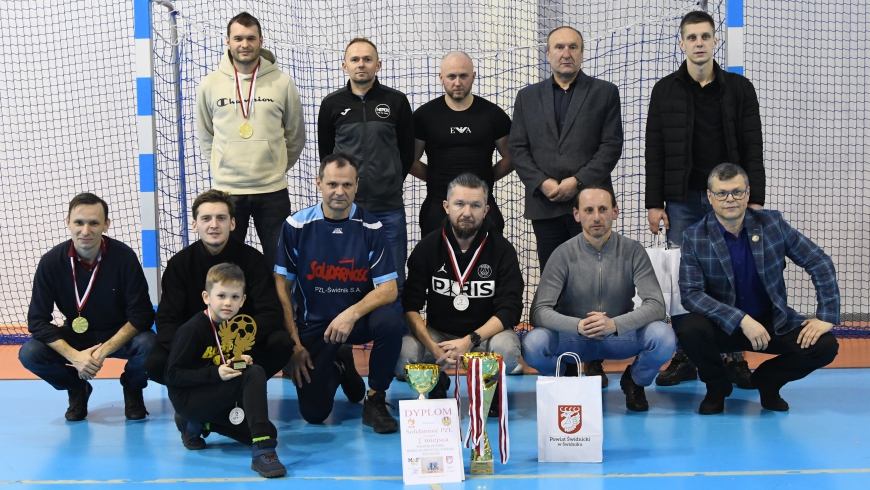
(238, 335)
(484, 383)
(422, 378)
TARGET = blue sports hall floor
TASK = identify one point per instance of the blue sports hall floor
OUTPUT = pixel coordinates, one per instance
(823, 442)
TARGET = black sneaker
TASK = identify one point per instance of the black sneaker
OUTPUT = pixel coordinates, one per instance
(134, 405)
(739, 373)
(594, 368)
(772, 401)
(714, 401)
(265, 461)
(770, 398)
(376, 415)
(78, 403)
(440, 390)
(635, 398)
(352, 384)
(191, 433)
(681, 369)
(571, 370)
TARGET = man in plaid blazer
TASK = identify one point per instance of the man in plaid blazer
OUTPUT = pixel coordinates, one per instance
(731, 282)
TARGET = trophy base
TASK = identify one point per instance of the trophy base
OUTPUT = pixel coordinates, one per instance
(239, 365)
(482, 467)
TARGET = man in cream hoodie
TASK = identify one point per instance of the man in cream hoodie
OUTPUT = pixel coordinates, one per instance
(250, 128)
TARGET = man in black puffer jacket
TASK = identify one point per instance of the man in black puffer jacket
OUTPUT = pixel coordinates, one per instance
(699, 116)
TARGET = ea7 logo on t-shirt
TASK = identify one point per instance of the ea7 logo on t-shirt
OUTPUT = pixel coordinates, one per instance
(460, 130)
(338, 272)
(382, 111)
(472, 289)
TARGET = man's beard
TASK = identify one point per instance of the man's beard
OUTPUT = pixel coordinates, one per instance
(464, 233)
(458, 99)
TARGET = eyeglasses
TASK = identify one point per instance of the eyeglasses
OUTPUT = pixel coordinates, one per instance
(737, 194)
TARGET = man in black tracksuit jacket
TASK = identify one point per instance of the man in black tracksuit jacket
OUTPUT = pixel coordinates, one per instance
(377, 133)
(373, 125)
(483, 321)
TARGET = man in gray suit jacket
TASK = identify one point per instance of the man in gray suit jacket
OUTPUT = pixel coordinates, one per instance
(566, 134)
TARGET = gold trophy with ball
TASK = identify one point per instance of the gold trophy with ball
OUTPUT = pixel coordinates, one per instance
(237, 335)
(484, 370)
(422, 378)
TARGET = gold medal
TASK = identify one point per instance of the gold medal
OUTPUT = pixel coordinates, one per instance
(80, 324)
(246, 130)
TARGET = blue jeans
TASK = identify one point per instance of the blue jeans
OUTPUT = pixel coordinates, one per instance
(269, 211)
(396, 229)
(45, 362)
(683, 214)
(653, 344)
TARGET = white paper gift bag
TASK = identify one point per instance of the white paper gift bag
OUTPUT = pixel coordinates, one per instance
(666, 263)
(570, 425)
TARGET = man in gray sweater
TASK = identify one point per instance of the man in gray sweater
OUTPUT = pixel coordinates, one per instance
(584, 302)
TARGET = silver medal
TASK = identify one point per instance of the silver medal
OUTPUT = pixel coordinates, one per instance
(237, 416)
(461, 302)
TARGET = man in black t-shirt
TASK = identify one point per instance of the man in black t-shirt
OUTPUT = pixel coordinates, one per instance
(458, 132)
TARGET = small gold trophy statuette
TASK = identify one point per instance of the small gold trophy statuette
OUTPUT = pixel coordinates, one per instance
(422, 378)
(239, 333)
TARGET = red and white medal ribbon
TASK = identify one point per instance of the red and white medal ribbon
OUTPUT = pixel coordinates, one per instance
(475, 384)
(216, 339)
(461, 278)
(80, 301)
(504, 443)
(246, 108)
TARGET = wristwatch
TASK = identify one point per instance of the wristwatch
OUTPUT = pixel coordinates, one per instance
(475, 339)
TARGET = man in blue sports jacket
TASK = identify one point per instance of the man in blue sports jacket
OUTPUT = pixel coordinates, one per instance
(334, 260)
(731, 282)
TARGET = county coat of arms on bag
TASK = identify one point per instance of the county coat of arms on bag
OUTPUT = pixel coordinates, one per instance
(570, 418)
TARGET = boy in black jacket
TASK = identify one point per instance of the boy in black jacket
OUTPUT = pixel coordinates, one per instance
(206, 391)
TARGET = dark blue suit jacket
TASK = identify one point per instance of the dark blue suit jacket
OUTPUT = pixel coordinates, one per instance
(707, 277)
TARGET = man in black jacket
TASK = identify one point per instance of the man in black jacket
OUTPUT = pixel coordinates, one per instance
(98, 286)
(373, 125)
(186, 272)
(699, 116)
(470, 277)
